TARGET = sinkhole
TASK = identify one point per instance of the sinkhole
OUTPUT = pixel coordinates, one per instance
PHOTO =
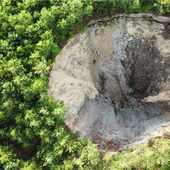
(115, 81)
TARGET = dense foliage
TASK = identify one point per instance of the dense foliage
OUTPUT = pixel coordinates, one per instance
(32, 32)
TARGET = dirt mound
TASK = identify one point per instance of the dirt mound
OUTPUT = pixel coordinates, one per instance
(116, 81)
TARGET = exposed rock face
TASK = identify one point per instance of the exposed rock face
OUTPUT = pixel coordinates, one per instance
(116, 81)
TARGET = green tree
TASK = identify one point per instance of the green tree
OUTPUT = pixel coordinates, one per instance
(32, 134)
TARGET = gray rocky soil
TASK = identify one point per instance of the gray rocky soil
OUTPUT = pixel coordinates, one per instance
(115, 80)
